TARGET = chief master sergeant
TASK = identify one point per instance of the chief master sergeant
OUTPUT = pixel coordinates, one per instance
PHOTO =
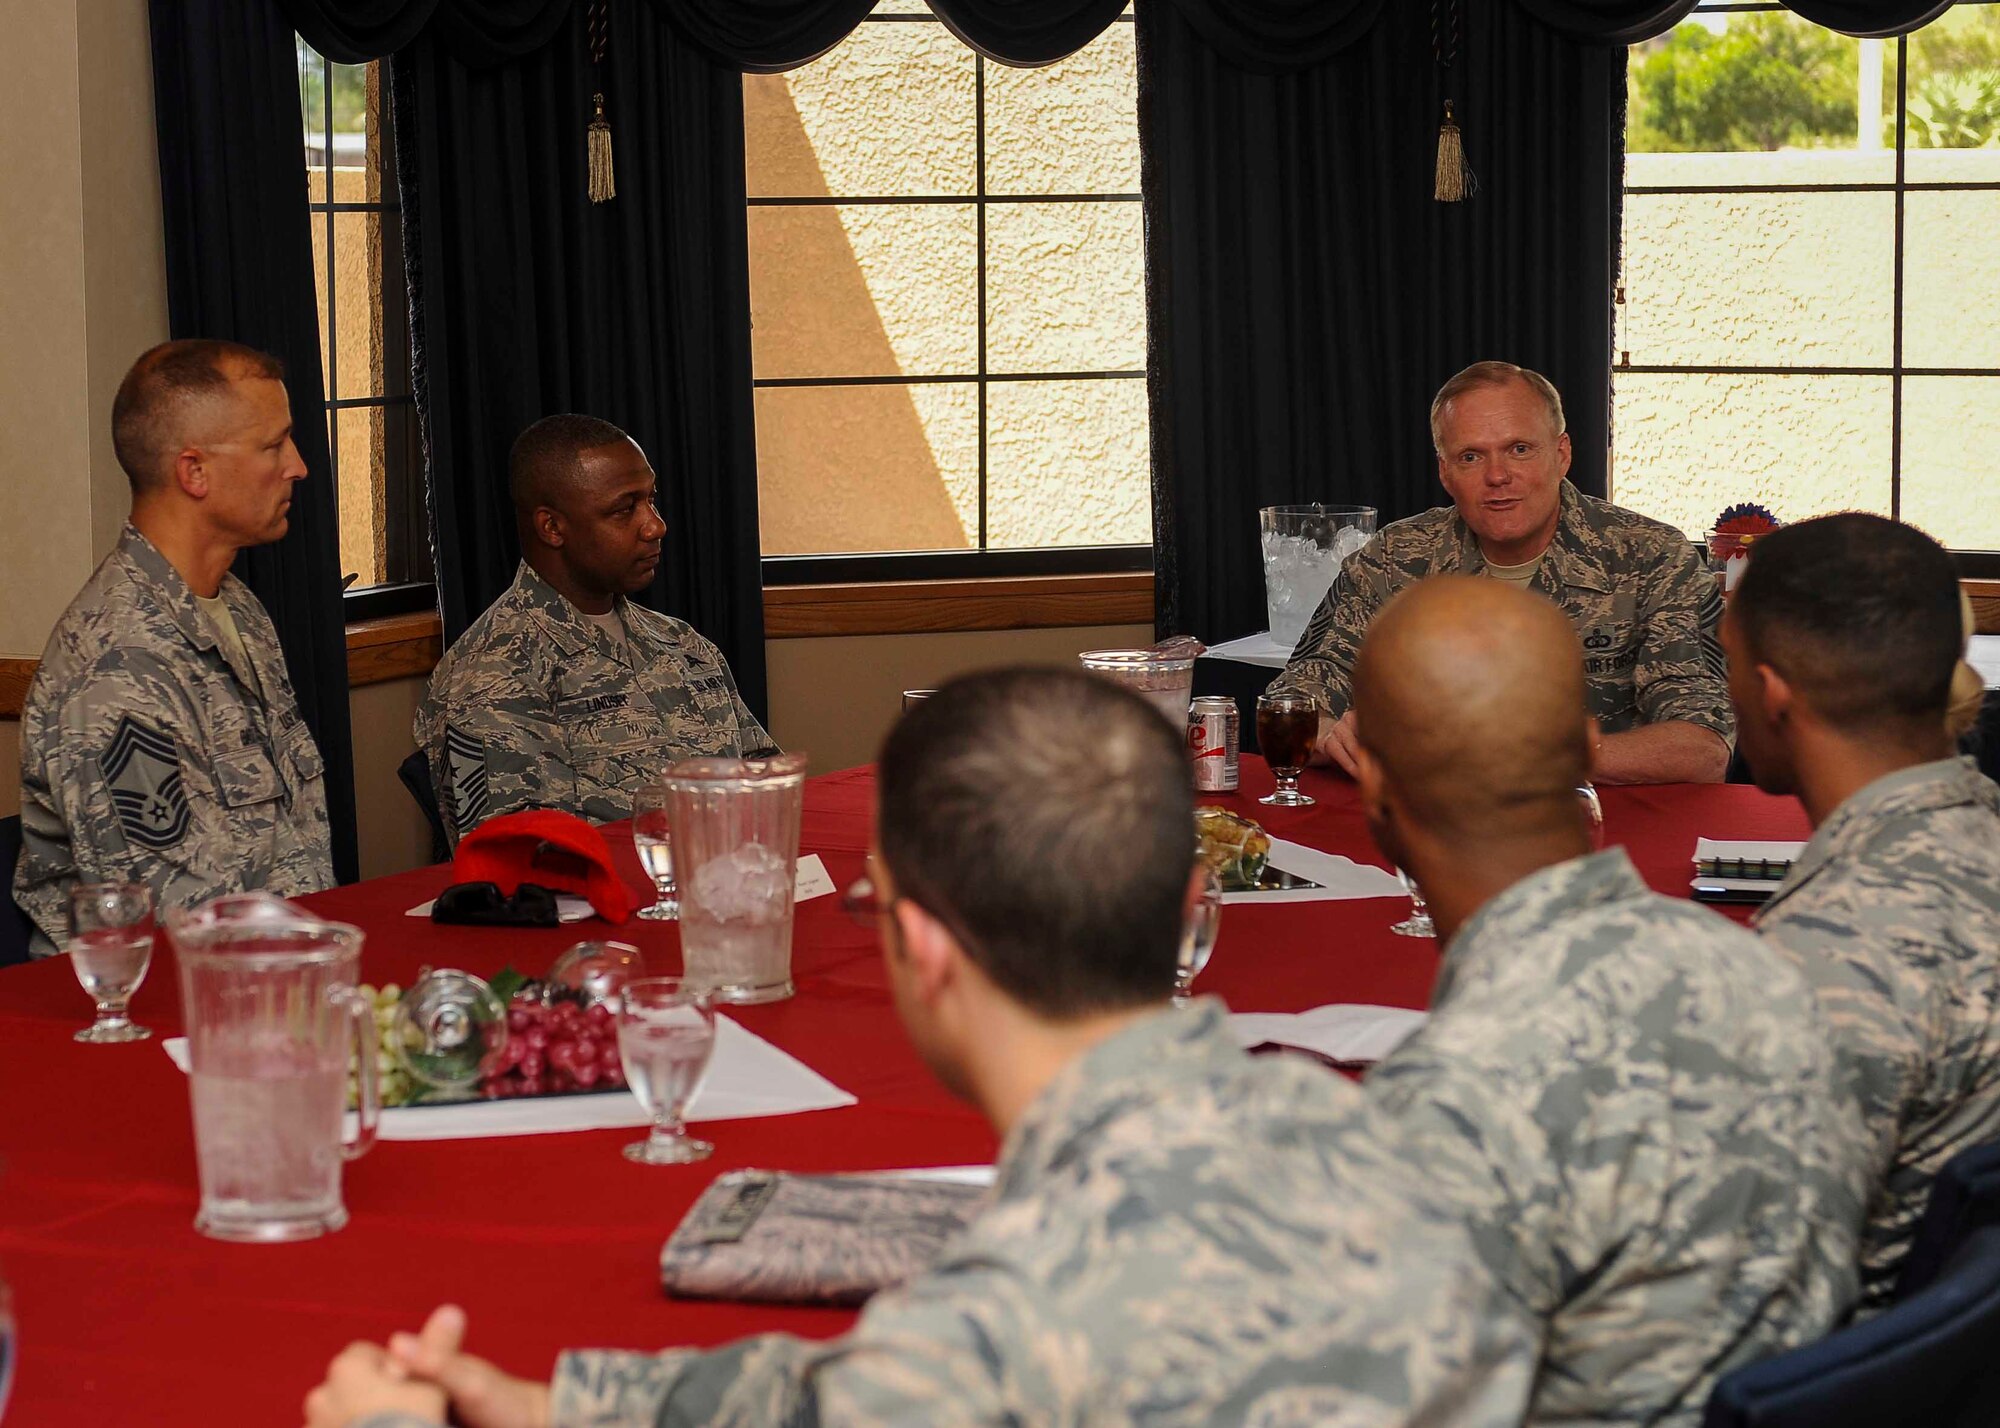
(161, 741)
(565, 694)
(1644, 608)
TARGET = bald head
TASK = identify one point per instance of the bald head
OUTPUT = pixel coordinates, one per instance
(1469, 697)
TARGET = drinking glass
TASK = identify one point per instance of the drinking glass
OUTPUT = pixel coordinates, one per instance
(1287, 724)
(1418, 923)
(598, 971)
(654, 840)
(110, 947)
(6, 1343)
(913, 697)
(666, 1032)
(1204, 921)
(1593, 814)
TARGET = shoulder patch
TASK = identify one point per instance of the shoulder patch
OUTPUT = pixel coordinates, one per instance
(465, 777)
(142, 768)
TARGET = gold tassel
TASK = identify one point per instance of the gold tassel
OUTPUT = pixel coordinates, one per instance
(1454, 180)
(603, 185)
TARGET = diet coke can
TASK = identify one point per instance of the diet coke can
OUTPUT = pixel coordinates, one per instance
(1214, 735)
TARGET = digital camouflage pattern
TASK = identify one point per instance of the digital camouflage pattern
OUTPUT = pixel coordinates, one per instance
(1644, 607)
(1892, 911)
(1180, 1234)
(1633, 1105)
(148, 755)
(535, 706)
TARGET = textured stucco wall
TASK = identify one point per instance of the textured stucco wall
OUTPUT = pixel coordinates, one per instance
(1808, 280)
(893, 290)
(356, 275)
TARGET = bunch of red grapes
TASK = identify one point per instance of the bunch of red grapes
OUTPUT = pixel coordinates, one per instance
(553, 1045)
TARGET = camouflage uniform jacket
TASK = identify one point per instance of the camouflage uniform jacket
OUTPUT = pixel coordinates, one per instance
(1644, 607)
(1893, 913)
(1179, 1234)
(147, 756)
(1635, 1108)
(534, 706)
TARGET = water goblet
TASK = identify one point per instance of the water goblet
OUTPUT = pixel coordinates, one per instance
(654, 840)
(1593, 814)
(1287, 725)
(1418, 923)
(1198, 933)
(110, 947)
(596, 972)
(666, 1032)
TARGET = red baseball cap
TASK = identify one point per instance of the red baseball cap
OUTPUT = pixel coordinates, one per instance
(557, 850)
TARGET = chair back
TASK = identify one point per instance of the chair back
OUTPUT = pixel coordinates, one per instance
(17, 931)
(1927, 1360)
(415, 772)
(1965, 1198)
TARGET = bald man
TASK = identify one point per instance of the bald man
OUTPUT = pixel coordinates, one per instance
(565, 694)
(161, 742)
(1629, 1100)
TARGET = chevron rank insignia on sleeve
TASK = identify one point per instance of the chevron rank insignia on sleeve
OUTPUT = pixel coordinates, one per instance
(142, 769)
(465, 773)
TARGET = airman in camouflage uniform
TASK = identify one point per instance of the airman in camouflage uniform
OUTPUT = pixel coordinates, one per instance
(149, 755)
(1892, 912)
(1179, 1235)
(1634, 1107)
(161, 742)
(1643, 606)
(537, 706)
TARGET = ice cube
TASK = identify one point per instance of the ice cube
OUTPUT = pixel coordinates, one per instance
(750, 884)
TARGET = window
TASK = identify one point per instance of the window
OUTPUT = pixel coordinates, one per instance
(948, 306)
(371, 420)
(1811, 254)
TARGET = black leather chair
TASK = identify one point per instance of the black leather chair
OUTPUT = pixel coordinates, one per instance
(16, 930)
(415, 772)
(1965, 1199)
(1926, 1360)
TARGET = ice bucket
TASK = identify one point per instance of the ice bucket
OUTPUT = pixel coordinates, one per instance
(1304, 547)
(735, 825)
(273, 1020)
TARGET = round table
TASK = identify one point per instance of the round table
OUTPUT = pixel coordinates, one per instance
(126, 1315)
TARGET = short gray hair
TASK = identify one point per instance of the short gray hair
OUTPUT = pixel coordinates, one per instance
(1493, 374)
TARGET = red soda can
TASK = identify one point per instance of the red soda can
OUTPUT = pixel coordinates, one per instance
(1214, 739)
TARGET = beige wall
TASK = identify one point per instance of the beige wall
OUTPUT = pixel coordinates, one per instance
(834, 698)
(82, 289)
(392, 833)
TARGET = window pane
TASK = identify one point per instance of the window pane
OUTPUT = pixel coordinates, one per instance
(888, 113)
(358, 355)
(1686, 445)
(1071, 127)
(1731, 83)
(1953, 117)
(868, 468)
(864, 291)
(312, 115)
(360, 493)
(1065, 287)
(1068, 464)
(1759, 279)
(1951, 268)
(1951, 428)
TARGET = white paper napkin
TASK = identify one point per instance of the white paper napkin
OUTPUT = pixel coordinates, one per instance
(1340, 879)
(1342, 1032)
(1259, 648)
(747, 1077)
(811, 880)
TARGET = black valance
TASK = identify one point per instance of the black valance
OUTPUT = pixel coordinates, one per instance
(1626, 22)
(477, 32)
(1278, 36)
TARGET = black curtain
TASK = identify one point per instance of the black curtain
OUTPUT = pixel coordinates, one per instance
(239, 266)
(526, 299)
(1307, 294)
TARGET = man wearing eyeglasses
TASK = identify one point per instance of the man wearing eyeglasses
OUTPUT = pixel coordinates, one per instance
(1179, 1233)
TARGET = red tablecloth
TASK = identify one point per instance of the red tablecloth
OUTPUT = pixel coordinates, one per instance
(128, 1316)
